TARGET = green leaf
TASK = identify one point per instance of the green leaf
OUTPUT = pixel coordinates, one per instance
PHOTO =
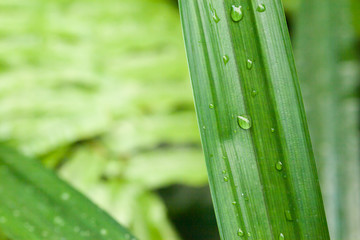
(328, 72)
(259, 157)
(35, 205)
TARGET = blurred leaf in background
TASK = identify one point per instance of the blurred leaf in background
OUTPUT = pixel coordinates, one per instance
(99, 90)
(329, 71)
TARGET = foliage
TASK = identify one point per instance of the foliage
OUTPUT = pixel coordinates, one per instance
(99, 91)
(35, 205)
(328, 70)
(260, 163)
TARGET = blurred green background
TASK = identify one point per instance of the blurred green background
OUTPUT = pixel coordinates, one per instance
(99, 91)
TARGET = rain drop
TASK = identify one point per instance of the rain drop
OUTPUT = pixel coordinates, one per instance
(254, 93)
(281, 236)
(233, 203)
(224, 171)
(225, 59)
(272, 130)
(279, 166)
(226, 179)
(211, 106)
(244, 122)
(261, 8)
(244, 195)
(215, 17)
(236, 13)
(240, 233)
(288, 215)
(249, 64)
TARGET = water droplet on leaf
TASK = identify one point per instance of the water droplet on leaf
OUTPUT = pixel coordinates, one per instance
(288, 215)
(254, 93)
(226, 179)
(225, 59)
(244, 195)
(211, 106)
(236, 13)
(215, 17)
(240, 233)
(279, 166)
(244, 122)
(261, 7)
(281, 236)
(249, 64)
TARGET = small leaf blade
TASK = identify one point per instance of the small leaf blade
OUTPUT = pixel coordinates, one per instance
(35, 204)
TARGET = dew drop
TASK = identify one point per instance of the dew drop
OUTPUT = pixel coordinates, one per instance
(233, 203)
(281, 236)
(224, 171)
(215, 17)
(225, 59)
(279, 166)
(261, 7)
(249, 64)
(244, 122)
(244, 195)
(240, 232)
(226, 179)
(288, 215)
(254, 93)
(204, 127)
(103, 232)
(272, 130)
(211, 106)
(249, 234)
(236, 13)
